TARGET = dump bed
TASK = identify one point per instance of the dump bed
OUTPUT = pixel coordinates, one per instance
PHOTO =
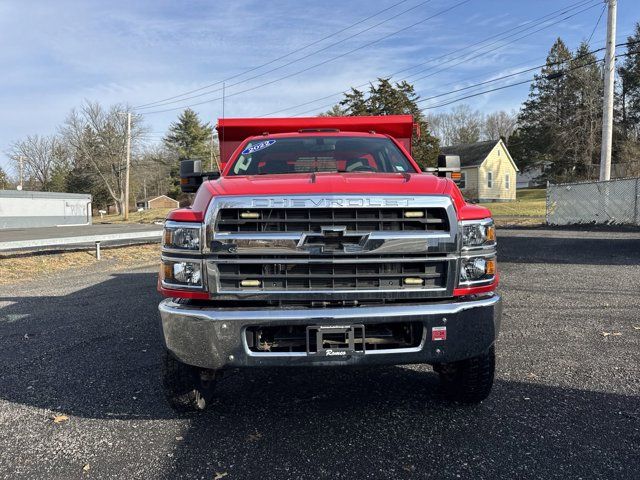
(232, 131)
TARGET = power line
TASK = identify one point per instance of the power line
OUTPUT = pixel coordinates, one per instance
(597, 23)
(441, 12)
(327, 47)
(481, 54)
(552, 64)
(498, 78)
(550, 77)
(535, 22)
(277, 59)
(464, 60)
(468, 55)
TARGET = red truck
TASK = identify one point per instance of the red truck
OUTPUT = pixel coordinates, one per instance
(322, 243)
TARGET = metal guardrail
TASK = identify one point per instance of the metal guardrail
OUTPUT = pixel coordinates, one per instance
(615, 202)
(53, 243)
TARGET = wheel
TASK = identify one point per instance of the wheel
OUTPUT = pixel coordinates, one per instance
(470, 380)
(186, 388)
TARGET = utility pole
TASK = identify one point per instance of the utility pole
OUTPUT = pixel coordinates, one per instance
(211, 154)
(607, 104)
(126, 179)
(21, 172)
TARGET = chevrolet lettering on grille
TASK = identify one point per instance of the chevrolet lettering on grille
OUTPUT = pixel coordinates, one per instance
(329, 202)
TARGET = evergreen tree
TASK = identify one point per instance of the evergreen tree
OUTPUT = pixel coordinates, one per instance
(4, 180)
(586, 87)
(386, 98)
(187, 138)
(629, 73)
(335, 111)
(546, 115)
(81, 179)
(626, 148)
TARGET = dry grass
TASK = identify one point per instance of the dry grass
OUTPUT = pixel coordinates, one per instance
(23, 268)
(146, 216)
(528, 209)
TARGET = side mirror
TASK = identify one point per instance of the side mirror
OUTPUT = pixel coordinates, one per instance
(191, 175)
(449, 166)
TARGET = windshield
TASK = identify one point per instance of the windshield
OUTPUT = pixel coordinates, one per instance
(320, 154)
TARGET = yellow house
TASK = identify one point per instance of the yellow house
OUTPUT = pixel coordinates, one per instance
(488, 171)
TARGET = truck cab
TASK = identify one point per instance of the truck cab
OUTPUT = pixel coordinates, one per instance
(322, 243)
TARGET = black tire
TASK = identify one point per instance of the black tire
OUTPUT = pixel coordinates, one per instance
(186, 388)
(470, 380)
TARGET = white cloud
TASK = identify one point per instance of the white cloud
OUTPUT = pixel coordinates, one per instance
(55, 54)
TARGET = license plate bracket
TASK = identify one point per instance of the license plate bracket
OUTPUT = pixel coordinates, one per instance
(337, 341)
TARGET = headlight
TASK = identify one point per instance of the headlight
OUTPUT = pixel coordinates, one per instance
(478, 234)
(182, 273)
(181, 236)
(477, 269)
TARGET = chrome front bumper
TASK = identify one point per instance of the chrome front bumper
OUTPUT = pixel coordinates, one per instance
(215, 338)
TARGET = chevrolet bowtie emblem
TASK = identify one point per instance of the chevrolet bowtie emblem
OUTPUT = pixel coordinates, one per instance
(332, 239)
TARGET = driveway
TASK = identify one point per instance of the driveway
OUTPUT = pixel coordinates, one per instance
(566, 403)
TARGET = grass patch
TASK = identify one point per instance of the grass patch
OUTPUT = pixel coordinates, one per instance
(530, 203)
(146, 216)
(26, 267)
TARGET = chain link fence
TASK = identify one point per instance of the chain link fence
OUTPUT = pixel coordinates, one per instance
(612, 202)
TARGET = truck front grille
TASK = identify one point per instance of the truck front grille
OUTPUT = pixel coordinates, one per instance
(333, 248)
(286, 274)
(311, 220)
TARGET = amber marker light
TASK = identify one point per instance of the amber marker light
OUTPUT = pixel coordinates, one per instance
(491, 233)
(490, 268)
(250, 283)
(413, 214)
(168, 270)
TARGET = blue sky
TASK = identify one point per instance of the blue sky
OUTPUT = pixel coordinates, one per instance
(54, 54)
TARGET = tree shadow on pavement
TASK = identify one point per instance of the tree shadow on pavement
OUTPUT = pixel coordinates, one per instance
(87, 353)
(576, 249)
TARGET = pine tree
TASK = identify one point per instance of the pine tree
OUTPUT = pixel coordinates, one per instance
(585, 85)
(189, 137)
(354, 103)
(629, 96)
(546, 115)
(386, 98)
(4, 180)
(335, 111)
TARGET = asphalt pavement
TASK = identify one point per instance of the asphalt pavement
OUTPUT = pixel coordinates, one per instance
(566, 403)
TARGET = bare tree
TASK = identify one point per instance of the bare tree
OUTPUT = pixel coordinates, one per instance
(500, 124)
(460, 125)
(40, 156)
(97, 139)
(152, 173)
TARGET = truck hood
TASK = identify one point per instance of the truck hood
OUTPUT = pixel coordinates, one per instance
(330, 183)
